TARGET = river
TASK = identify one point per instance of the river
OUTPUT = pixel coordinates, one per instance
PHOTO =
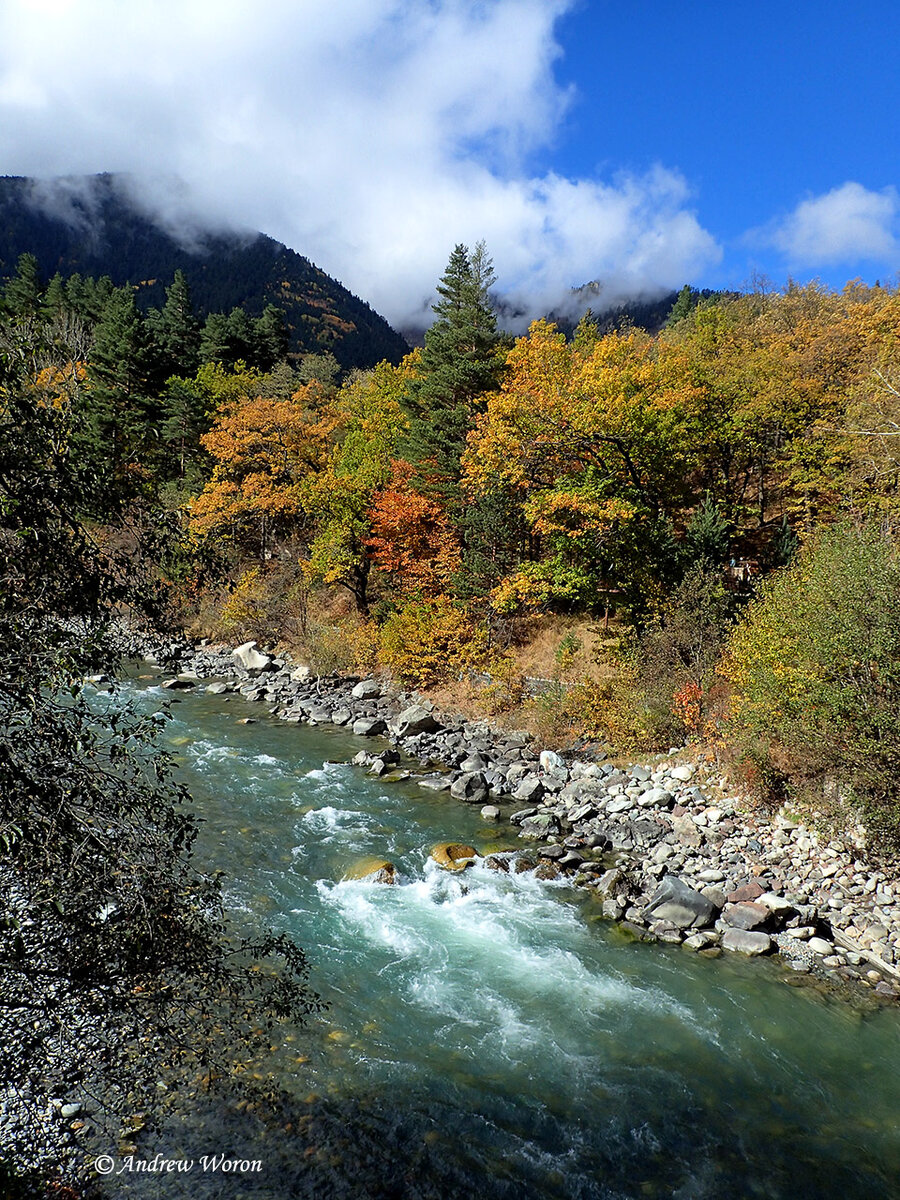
(487, 1034)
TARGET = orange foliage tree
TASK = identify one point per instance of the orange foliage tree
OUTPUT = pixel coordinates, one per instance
(411, 536)
(263, 449)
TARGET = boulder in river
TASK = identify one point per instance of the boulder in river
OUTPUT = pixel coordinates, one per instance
(373, 870)
(369, 727)
(470, 787)
(453, 856)
(680, 905)
(746, 941)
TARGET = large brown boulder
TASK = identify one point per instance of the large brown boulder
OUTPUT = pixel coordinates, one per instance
(374, 870)
(453, 856)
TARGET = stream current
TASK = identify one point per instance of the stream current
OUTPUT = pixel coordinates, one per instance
(487, 1035)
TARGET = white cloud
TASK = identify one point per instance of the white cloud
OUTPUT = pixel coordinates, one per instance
(370, 135)
(844, 225)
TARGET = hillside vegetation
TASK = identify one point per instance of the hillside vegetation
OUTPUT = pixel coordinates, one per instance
(88, 227)
(696, 527)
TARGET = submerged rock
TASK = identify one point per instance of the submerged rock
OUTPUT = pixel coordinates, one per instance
(373, 870)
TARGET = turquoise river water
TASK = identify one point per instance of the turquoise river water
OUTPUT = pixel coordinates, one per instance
(488, 1035)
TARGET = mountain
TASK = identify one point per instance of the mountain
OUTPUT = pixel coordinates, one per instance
(90, 226)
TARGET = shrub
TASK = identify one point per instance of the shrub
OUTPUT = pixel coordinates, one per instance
(340, 646)
(430, 641)
(816, 669)
(612, 710)
(674, 659)
(506, 690)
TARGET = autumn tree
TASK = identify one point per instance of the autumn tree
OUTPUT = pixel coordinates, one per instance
(263, 449)
(338, 501)
(596, 439)
(411, 538)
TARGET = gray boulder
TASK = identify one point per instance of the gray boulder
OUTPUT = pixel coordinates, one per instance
(470, 787)
(680, 905)
(369, 727)
(539, 826)
(530, 788)
(746, 941)
(435, 783)
(413, 720)
(366, 689)
(474, 762)
(250, 658)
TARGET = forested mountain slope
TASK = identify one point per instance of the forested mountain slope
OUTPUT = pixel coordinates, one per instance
(99, 232)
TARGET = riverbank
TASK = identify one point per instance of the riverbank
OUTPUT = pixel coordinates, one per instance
(669, 854)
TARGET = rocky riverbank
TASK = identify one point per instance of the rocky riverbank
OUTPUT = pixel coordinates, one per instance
(668, 852)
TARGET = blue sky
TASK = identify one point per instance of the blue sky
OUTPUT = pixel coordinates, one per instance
(759, 105)
(643, 144)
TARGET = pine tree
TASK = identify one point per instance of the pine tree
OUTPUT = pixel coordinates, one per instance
(55, 302)
(120, 416)
(214, 341)
(271, 338)
(22, 294)
(175, 332)
(461, 362)
(240, 334)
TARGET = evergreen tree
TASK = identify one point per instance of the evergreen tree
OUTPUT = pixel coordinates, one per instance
(97, 294)
(494, 538)
(707, 538)
(214, 340)
(271, 338)
(461, 361)
(76, 295)
(55, 302)
(185, 420)
(22, 294)
(685, 303)
(175, 331)
(241, 340)
(119, 414)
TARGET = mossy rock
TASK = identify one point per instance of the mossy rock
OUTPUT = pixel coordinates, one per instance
(374, 870)
(453, 856)
(547, 870)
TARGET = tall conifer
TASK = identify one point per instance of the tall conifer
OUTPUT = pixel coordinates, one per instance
(461, 361)
(175, 331)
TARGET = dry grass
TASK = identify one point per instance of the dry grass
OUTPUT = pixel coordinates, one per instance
(535, 650)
